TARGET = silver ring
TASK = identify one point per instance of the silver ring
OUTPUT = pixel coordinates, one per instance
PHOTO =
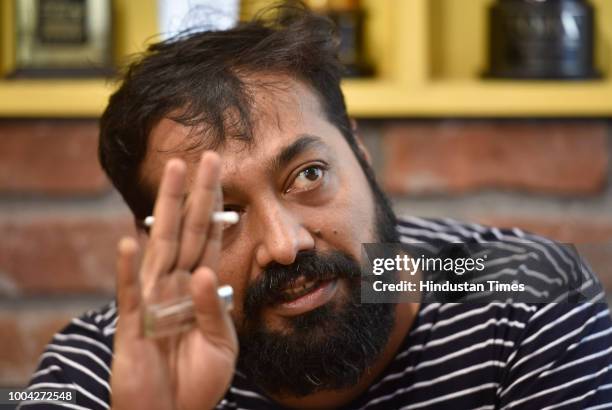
(226, 294)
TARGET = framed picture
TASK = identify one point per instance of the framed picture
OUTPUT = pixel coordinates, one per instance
(63, 38)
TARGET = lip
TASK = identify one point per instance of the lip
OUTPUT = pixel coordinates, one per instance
(310, 301)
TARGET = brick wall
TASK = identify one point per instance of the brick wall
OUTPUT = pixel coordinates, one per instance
(60, 219)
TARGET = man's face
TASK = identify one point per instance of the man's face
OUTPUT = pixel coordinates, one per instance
(304, 203)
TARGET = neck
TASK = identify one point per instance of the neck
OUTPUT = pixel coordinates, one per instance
(405, 314)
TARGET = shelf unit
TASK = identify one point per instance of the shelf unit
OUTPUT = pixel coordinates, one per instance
(435, 53)
(429, 55)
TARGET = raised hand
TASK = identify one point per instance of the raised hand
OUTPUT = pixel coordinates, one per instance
(191, 369)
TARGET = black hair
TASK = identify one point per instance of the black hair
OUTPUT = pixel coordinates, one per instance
(201, 79)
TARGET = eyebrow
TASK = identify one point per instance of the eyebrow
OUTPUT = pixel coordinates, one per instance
(288, 153)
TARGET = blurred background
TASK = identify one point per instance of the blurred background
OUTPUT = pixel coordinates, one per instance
(491, 111)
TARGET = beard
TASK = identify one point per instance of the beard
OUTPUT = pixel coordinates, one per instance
(328, 348)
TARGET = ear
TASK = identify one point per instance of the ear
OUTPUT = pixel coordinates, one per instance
(362, 149)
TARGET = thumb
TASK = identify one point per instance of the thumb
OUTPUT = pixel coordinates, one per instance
(211, 312)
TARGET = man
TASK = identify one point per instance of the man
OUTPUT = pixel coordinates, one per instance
(252, 120)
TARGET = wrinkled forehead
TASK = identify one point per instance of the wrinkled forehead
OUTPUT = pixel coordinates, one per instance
(282, 109)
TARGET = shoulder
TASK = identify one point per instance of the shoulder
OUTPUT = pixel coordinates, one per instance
(79, 357)
(541, 262)
(92, 330)
(550, 271)
(561, 338)
(532, 355)
(448, 229)
(566, 349)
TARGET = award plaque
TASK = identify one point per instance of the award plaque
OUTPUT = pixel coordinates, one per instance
(63, 38)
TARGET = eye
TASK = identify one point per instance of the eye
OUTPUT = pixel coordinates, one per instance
(231, 208)
(234, 208)
(308, 178)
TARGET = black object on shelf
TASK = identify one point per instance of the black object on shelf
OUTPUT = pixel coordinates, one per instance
(349, 17)
(349, 24)
(542, 39)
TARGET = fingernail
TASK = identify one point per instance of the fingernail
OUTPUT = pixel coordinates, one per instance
(126, 245)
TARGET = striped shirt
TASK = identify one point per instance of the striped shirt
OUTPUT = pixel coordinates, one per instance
(456, 355)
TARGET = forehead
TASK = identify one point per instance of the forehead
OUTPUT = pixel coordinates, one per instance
(282, 110)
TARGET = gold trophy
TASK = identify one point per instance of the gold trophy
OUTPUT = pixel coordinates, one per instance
(63, 38)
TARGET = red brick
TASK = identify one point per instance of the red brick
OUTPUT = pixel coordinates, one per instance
(592, 237)
(23, 336)
(455, 157)
(54, 157)
(60, 254)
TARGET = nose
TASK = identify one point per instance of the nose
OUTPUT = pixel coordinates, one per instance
(282, 235)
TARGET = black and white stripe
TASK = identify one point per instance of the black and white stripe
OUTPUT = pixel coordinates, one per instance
(492, 355)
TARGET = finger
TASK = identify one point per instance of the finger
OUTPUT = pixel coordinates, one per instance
(128, 286)
(211, 314)
(163, 243)
(212, 248)
(199, 212)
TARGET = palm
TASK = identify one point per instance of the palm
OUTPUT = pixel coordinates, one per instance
(203, 368)
(187, 369)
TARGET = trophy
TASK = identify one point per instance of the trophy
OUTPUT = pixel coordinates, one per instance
(349, 17)
(63, 38)
(541, 39)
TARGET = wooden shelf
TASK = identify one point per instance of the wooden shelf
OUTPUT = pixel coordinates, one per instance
(429, 55)
(53, 98)
(478, 98)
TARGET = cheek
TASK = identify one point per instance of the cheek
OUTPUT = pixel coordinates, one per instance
(355, 199)
(355, 230)
(358, 202)
(348, 221)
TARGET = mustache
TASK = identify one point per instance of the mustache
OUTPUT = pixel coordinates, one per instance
(309, 264)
